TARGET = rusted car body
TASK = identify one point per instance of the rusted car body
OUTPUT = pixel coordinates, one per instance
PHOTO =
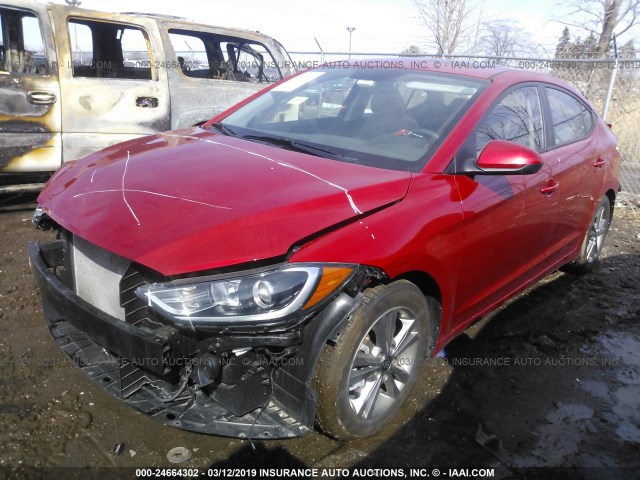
(73, 81)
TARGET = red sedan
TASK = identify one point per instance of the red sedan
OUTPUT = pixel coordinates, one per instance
(294, 261)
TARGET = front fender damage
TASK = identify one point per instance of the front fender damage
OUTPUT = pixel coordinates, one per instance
(248, 385)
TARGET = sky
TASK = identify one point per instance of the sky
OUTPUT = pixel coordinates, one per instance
(385, 26)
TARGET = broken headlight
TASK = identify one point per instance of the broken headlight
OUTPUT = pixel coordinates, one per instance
(258, 297)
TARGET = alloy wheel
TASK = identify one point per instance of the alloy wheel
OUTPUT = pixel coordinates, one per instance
(383, 364)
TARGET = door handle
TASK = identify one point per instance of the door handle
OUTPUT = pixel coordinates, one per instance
(147, 102)
(550, 187)
(599, 163)
(39, 97)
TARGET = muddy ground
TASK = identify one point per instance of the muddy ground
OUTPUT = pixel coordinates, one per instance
(551, 380)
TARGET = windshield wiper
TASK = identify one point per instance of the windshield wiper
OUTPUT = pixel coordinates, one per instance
(292, 145)
(221, 127)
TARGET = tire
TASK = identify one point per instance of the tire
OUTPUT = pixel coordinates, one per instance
(364, 380)
(593, 239)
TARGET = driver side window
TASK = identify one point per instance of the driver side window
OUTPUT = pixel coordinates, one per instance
(21, 46)
(516, 118)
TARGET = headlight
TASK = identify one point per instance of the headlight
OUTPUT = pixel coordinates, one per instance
(259, 297)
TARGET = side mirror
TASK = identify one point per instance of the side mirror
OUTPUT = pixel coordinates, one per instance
(500, 157)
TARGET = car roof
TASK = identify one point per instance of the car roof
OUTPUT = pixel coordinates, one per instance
(485, 69)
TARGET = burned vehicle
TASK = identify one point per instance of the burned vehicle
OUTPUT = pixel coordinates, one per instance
(73, 81)
(291, 264)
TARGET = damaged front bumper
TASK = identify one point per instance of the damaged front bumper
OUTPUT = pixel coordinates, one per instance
(265, 399)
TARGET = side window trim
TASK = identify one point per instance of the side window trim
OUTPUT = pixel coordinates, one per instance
(4, 68)
(549, 127)
(546, 117)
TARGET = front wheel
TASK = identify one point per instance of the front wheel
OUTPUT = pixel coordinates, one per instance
(364, 380)
(593, 240)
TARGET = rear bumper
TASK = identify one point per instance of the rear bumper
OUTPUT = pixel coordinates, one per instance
(103, 347)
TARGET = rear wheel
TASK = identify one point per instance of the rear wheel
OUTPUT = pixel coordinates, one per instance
(593, 240)
(364, 380)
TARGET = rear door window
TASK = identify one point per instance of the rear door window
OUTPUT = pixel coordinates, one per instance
(250, 60)
(572, 120)
(191, 53)
(222, 57)
(109, 50)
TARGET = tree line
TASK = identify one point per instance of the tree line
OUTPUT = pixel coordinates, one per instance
(458, 27)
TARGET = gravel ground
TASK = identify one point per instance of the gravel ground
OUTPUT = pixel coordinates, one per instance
(550, 380)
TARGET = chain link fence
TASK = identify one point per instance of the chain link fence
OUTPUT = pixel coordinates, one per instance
(593, 78)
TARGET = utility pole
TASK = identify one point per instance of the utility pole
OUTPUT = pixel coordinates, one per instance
(350, 30)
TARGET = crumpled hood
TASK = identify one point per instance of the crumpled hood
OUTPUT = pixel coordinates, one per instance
(191, 200)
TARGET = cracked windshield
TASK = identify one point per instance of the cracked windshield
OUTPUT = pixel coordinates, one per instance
(385, 118)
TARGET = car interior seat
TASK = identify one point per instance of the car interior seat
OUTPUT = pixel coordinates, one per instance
(388, 114)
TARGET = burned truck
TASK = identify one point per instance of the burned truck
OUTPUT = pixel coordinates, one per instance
(74, 81)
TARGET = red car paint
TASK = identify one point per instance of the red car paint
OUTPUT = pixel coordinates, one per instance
(187, 201)
(191, 200)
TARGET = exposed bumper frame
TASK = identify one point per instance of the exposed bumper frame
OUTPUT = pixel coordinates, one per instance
(83, 332)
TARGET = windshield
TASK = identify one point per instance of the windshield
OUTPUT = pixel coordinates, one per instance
(389, 118)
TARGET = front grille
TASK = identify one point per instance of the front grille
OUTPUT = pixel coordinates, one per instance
(137, 311)
(97, 273)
